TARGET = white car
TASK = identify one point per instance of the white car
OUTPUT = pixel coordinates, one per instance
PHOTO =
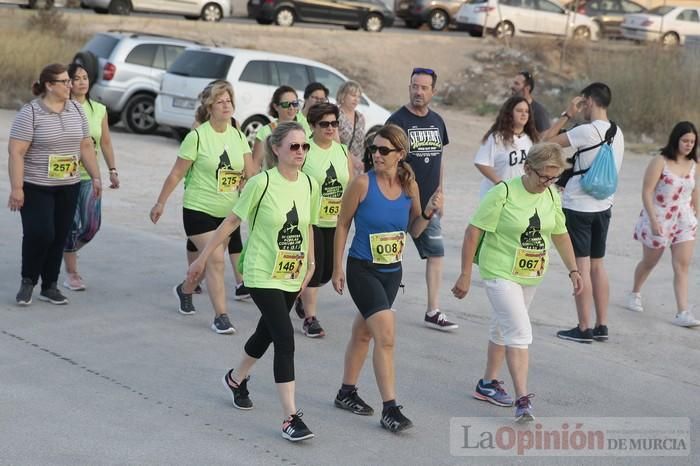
(506, 18)
(255, 75)
(666, 24)
(207, 10)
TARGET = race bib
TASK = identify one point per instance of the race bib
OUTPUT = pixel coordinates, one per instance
(529, 263)
(330, 208)
(288, 265)
(387, 248)
(62, 166)
(228, 180)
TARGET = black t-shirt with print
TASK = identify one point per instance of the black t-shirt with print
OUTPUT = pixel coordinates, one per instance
(427, 136)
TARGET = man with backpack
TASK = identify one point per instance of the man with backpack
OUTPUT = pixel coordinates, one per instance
(587, 202)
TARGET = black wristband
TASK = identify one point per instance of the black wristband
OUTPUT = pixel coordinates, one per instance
(574, 271)
(422, 214)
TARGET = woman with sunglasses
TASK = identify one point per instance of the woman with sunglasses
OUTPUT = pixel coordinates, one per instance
(214, 157)
(509, 237)
(329, 164)
(49, 138)
(352, 122)
(280, 206)
(384, 203)
(88, 214)
(284, 107)
(504, 146)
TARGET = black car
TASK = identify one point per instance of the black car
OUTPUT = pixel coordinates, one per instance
(607, 13)
(371, 15)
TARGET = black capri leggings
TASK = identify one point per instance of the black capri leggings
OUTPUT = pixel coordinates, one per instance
(196, 223)
(323, 255)
(372, 288)
(274, 326)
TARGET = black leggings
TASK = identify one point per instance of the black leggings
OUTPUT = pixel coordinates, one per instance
(274, 327)
(47, 216)
(323, 255)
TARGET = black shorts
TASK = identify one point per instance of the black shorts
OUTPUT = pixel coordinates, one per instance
(323, 256)
(588, 232)
(197, 222)
(372, 288)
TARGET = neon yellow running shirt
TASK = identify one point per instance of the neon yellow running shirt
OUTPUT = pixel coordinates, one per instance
(95, 113)
(329, 167)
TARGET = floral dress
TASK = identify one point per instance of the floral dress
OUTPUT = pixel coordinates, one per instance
(674, 213)
(352, 133)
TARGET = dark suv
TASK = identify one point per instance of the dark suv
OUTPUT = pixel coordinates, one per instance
(371, 15)
(439, 14)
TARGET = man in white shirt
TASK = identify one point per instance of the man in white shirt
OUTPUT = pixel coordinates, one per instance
(588, 218)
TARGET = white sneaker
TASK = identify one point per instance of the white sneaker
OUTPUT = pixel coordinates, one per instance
(634, 302)
(74, 282)
(685, 319)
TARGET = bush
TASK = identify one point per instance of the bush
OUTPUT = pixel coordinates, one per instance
(51, 21)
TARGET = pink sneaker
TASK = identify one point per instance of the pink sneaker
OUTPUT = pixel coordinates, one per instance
(74, 282)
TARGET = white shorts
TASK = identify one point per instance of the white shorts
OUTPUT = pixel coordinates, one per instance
(510, 322)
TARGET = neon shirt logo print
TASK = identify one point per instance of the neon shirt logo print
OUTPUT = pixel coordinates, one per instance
(531, 257)
(290, 258)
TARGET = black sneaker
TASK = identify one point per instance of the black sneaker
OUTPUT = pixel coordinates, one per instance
(299, 308)
(439, 321)
(185, 301)
(394, 421)
(53, 295)
(312, 328)
(24, 295)
(600, 333)
(241, 292)
(239, 394)
(353, 402)
(294, 429)
(576, 334)
(222, 325)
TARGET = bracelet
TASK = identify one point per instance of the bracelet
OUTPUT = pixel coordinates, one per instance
(422, 214)
(112, 169)
(574, 271)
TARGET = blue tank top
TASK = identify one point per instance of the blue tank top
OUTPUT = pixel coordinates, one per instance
(377, 214)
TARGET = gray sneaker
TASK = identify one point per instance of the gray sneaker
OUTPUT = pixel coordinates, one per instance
(185, 301)
(492, 392)
(24, 295)
(53, 295)
(222, 325)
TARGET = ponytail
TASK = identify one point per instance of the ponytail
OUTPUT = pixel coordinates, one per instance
(406, 176)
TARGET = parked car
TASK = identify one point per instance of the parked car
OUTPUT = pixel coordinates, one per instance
(510, 17)
(34, 4)
(607, 13)
(439, 14)
(371, 15)
(255, 75)
(125, 70)
(207, 10)
(666, 24)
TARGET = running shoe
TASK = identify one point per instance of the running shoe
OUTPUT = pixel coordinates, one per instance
(523, 409)
(52, 295)
(241, 292)
(294, 429)
(634, 302)
(394, 421)
(74, 282)
(576, 334)
(600, 333)
(685, 319)
(222, 325)
(24, 295)
(299, 308)
(312, 328)
(439, 321)
(185, 301)
(493, 392)
(353, 402)
(239, 394)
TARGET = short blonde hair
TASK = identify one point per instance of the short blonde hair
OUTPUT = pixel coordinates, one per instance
(348, 87)
(209, 96)
(546, 154)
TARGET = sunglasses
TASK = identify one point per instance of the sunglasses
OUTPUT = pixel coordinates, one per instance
(423, 71)
(293, 103)
(383, 150)
(546, 179)
(526, 74)
(326, 124)
(295, 146)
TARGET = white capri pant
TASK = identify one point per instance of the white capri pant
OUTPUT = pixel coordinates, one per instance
(510, 322)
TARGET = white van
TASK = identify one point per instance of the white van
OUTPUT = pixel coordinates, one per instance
(255, 75)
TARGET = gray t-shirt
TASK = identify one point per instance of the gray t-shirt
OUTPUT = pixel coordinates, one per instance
(542, 119)
(53, 155)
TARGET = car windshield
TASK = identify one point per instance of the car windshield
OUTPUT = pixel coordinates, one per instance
(201, 64)
(660, 10)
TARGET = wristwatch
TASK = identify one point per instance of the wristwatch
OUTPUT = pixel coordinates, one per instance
(564, 114)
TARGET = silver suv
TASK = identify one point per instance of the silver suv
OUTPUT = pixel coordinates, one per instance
(125, 69)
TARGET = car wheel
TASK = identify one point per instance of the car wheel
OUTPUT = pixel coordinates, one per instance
(582, 33)
(251, 126)
(351, 28)
(212, 12)
(412, 24)
(285, 17)
(113, 118)
(139, 114)
(264, 21)
(504, 29)
(88, 60)
(670, 38)
(439, 20)
(101, 11)
(120, 7)
(374, 23)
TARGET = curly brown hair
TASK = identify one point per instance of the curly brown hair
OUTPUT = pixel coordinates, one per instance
(503, 126)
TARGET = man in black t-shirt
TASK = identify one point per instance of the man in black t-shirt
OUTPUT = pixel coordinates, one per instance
(427, 136)
(523, 85)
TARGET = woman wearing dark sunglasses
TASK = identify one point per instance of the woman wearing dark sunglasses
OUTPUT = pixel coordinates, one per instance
(329, 163)
(384, 203)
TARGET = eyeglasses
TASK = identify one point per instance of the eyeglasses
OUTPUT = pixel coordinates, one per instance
(546, 179)
(427, 71)
(383, 150)
(285, 104)
(295, 146)
(326, 124)
(65, 82)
